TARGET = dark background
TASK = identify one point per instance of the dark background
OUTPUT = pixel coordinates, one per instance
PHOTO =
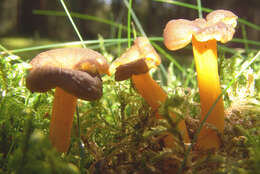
(17, 17)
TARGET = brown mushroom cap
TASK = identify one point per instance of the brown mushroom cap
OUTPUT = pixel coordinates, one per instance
(178, 33)
(136, 60)
(219, 25)
(136, 67)
(76, 70)
(72, 58)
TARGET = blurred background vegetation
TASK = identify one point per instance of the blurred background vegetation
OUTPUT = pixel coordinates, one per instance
(20, 18)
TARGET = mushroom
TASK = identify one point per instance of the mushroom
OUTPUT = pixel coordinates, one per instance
(204, 33)
(135, 63)
(74, 73)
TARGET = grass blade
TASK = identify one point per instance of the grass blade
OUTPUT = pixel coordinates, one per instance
(244, 35)
(169, 57)
(138, 24)
(199, 9)
(129, 23)
(72, 22)
(79, 16)
(183, 4)
(194, 7)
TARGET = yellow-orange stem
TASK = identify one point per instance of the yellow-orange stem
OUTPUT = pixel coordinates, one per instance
(64, 106)
(154, 95)
(205, 55)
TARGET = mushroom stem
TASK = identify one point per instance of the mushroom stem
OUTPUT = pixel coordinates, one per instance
(64, 106)
(205, 55)
(149, 90)
(154, 95)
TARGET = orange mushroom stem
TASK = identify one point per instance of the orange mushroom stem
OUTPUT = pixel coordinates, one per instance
(154, 95)
(135, 64)
(204, 33)
(64, 106)
(205, 55)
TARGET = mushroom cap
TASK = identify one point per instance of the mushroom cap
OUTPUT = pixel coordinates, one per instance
(76, 70)
(219, 25)
(225, 16)
(136, 60)
(136, 67)
(72, 58)
(219, 31)
(178, 33)
(142, 49)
